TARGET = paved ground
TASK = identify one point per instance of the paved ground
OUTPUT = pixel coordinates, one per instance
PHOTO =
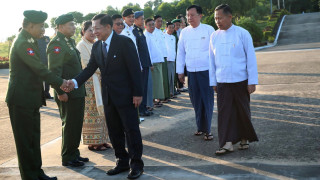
(286, 116)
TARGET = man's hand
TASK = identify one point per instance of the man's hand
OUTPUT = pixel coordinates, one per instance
(181, 78)
(71, 85)
(215, 88)
(151, 68)
(251, 88)
(63, 97)
(137, 101)
(64, 85)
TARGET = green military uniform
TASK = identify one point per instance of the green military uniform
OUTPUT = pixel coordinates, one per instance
(25, 96)
(64, 60)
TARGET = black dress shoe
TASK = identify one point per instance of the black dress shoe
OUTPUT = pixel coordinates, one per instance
(134, 174)
(146, 113)
(117, 170)
(45, 177)
(83, 159)
(74, 163)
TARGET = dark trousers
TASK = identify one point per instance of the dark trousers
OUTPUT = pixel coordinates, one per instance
(46, 89)
(145, 75)
(123, 125)
(234, 116)
(201, 96)
(71, 113)
(25, 124)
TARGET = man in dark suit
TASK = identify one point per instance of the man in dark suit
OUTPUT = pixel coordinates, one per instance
(117, 58)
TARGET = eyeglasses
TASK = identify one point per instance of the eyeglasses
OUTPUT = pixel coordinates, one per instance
(119, 24)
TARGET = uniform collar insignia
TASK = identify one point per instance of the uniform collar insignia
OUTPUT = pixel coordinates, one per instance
(65, 38)
(31, 40)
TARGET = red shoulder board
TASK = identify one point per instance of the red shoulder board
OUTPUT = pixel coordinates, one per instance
(57, 49)
(30, 51)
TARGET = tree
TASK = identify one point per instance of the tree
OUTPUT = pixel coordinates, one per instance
(78, 17)
(135, 7)
(182, 6)
(148, 4)
(148, 13)
(46, 25)
(111, 11)
(156, 4)
(89, 16)
(10, 40)
(206, 6)
(166, 10)
(52, 22)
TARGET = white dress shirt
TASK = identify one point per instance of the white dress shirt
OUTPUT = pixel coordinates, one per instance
(171, 47)
(232, 57)
(154, 48)
(160, 35)
(193, 48)
(127, 31)
(108, 42)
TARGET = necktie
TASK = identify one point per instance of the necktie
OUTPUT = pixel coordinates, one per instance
(104, 49)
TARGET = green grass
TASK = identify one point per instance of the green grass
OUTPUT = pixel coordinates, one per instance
(4, 49)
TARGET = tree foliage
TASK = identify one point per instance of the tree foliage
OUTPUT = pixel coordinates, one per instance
(135, 7)
(89, 16)
(111, 11)
(78, 17)
(166, 10)
(148, 12)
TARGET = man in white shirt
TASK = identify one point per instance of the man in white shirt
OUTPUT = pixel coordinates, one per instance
(156, 59)
(161, 39)
(128, 17)
(193, 51)
(233, 75)
(171, 55)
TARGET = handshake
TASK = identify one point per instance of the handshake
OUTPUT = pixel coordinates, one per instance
(67, 85)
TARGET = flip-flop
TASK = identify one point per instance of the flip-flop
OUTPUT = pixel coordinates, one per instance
(243, 146)
(223, 151)
(208, 137)
(198, 133)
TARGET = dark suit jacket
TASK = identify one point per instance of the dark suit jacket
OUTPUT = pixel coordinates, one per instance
(120, 70)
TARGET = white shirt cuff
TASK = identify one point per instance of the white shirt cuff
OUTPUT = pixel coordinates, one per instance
(75, 83)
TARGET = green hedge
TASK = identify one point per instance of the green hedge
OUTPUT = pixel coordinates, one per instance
(250, 25)
(4, 64)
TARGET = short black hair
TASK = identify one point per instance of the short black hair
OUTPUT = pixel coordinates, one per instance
(198, 8)
(156, 17)
(104, 19)
(85, 26)
(116, 16)
(148, 20)
(226, 8)
(169, 23)
(179, 16)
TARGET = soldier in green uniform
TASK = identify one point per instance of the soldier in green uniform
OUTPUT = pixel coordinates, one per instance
(64, 60)
(25, 94)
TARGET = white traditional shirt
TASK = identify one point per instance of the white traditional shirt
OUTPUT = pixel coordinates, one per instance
(193, 49)
(160, 35)
(232, 57)
(127, 31)
(154, 48)
(171, 47)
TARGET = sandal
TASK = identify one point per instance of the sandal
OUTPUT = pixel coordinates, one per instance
(198, 133)
(208, 137)
(243, 146)
(223, 151)
(97, 148)
(106, 145)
